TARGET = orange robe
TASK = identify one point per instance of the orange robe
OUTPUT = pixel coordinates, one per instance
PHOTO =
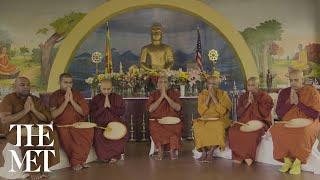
(13, 104)
(75, 142)
(5, 67)
(165, 134)
(212, 133)
(296, 142)
(244, 144)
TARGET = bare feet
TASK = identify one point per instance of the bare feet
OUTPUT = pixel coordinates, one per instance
(77, 167)
(35, 176)
(249, 161)
(237, 161)
(159, 156)
(113, 160)
(86, 165)
(210, 154)
(173, 155)
(203, 157)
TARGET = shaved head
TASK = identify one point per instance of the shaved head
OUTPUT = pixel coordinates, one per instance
(296, 78)
(213, 82)
(22, 86)
(252, 84)
(106, 86)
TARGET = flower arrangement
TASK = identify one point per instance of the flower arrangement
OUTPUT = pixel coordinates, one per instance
(137, 79)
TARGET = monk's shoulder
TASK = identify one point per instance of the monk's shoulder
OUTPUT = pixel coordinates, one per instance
(55, 94)
(222, 92)
(310, 88)
(285, 91)
(10, 98)
(204, 92)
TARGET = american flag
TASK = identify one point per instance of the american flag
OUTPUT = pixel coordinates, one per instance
(199, 51)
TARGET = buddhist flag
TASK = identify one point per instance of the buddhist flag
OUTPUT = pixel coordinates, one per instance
(108, 65)
(199, 51)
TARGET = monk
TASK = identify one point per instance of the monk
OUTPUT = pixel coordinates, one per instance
(293, 145)
(107, 107)
(252, 105)
(5, 67)
(212, 103)
(21, 107)
(68, 107)
(165, 102)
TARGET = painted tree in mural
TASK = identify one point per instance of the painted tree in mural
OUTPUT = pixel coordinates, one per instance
(61, 27)
(5, 39)
(24, 51)
(259, 40)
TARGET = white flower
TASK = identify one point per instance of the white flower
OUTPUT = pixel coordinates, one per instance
(89, 80)
(213, 55)
(96, 57)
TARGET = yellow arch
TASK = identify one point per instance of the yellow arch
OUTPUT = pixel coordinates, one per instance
(116, 7)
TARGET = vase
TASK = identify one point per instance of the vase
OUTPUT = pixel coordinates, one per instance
(182, 90)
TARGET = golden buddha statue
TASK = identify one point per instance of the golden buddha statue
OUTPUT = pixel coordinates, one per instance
(156, 55)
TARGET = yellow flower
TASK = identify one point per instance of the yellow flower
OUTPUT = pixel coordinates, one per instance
(101, 77)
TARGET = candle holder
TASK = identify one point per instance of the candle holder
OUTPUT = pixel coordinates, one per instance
(235, 95)
(143, 131)
(132, 139)
(191, 129)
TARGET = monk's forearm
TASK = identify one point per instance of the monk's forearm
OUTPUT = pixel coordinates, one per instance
(308, 111)
(77, 108)
(57, 112)
(40, 116)
(173, 104)
(155, 105)
(13, 117)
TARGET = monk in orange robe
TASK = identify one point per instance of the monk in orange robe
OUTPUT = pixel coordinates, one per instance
(21, 107)
(68, 107)
(252, 105)
(165, 102)
(293, 145)
(107, 107)
(5, 67)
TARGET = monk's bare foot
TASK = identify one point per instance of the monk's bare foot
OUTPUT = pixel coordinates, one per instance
(44, 175)
(86, 165)
(35, 176)
(159, 156)
(237, 161)
(113, 160)
(77, 167)
(203, 157)
(249, 161)
(210, 154)
(173, 155)
(209, 157)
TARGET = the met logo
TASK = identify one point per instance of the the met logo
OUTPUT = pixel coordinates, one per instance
(30, 155)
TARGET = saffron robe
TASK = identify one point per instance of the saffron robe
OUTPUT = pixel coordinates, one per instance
(13, 104)
(5, 67)
(244, 144)
(296, 142)
(75, 142)
(212, 132)
(165, 134)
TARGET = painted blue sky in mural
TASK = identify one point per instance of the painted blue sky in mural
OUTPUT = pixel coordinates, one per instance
(131, 31)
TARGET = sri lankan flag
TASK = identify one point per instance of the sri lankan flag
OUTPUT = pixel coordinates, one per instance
(108, 65)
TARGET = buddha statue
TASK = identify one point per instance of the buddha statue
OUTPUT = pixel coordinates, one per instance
(156, 55)
(5, 67)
